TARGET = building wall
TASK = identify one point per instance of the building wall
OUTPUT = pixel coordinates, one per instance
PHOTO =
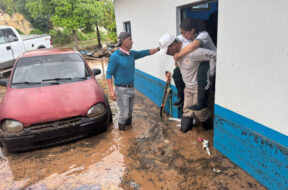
(252, 61)
(250, 125)
(251, 106)
(149, 21)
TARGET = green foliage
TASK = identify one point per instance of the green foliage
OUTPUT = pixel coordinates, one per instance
(36, 31)
(81, 36)
(70, 15)
(39, 8)
(61, 37)
(42, 23)
(3, 5)
(108, 21)
(19, 31)
(38, 13)
(91, 36)
(8, 6)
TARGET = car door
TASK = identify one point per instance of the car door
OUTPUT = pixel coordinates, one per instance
(6, 56)
(17, 45)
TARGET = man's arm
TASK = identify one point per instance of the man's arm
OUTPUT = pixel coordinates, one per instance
(202, 54)
(152, 51)
(188, 49)
(143, 53)
(109, 72)
(111, 89)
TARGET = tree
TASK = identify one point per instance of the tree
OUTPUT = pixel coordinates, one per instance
(70, 14)
(73, 15)
(40, 21)
(108, 20)
(8, 6)
(94, 12)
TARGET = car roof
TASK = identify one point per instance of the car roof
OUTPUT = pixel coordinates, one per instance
(48, 51)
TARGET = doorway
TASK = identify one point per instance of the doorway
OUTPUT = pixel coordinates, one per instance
(207, 11)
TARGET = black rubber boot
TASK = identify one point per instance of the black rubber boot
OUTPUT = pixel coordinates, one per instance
(202, 99)
(180, 85)
(180, 94)
(121, 126)
(186, 124)
(208, 124)
(129, 121)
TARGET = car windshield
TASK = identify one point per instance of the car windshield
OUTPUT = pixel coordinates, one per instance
(41, 69)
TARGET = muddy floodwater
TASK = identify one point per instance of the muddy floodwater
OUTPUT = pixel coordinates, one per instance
(152, 154)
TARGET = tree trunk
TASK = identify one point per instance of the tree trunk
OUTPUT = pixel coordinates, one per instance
(75, 39)
(98, 37)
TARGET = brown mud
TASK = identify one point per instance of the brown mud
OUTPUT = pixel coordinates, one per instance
(152, 154)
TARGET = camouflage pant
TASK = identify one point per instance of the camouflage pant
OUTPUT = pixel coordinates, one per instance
(190, 98)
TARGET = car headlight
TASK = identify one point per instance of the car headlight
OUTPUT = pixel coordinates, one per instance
(96, 110)
(12, 126)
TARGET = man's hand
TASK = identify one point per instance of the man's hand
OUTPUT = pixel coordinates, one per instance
(152, 51)
(111, 90)
(176, 64)
(113, 95)
(176, 57)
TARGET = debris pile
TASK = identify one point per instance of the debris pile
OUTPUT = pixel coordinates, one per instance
(100, 53)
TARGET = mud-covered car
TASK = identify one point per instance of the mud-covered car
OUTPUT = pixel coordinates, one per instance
(52, 97)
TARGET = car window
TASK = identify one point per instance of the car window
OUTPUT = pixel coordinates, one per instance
(9, 35)
(42, 68)
(2, 40)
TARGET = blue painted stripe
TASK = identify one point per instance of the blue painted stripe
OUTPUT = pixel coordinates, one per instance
(260, 151)
(257, 127)
(153, 88)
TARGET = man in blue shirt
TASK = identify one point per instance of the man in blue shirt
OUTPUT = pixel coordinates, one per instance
(121, 67)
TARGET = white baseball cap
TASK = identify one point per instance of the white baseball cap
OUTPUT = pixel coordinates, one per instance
(165, 41)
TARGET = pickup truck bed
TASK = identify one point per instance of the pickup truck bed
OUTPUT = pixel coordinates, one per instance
(29, 37)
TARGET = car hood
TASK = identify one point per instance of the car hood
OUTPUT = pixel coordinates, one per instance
(49, 103)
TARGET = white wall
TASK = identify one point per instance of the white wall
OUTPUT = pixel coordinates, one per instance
(252, 60)
(150, 19)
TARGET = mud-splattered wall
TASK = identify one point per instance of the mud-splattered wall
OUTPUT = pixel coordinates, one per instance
(16, 20)
(260, 151)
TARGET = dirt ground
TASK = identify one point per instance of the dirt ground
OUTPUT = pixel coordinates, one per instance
(152, 154)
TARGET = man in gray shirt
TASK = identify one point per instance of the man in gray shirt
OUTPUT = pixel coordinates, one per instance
(189, 65)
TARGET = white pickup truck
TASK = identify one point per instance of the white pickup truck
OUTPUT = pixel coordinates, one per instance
(12, 45)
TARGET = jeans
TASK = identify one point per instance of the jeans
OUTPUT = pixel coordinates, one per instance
(125, 102)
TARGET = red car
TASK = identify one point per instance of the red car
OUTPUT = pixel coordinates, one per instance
(52, 97)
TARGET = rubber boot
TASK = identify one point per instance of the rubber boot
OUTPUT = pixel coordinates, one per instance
(129, 121)
(121, 126)
(186, 124)
(180, 94)
(202, 99)
(180, 85)
(208, 124)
